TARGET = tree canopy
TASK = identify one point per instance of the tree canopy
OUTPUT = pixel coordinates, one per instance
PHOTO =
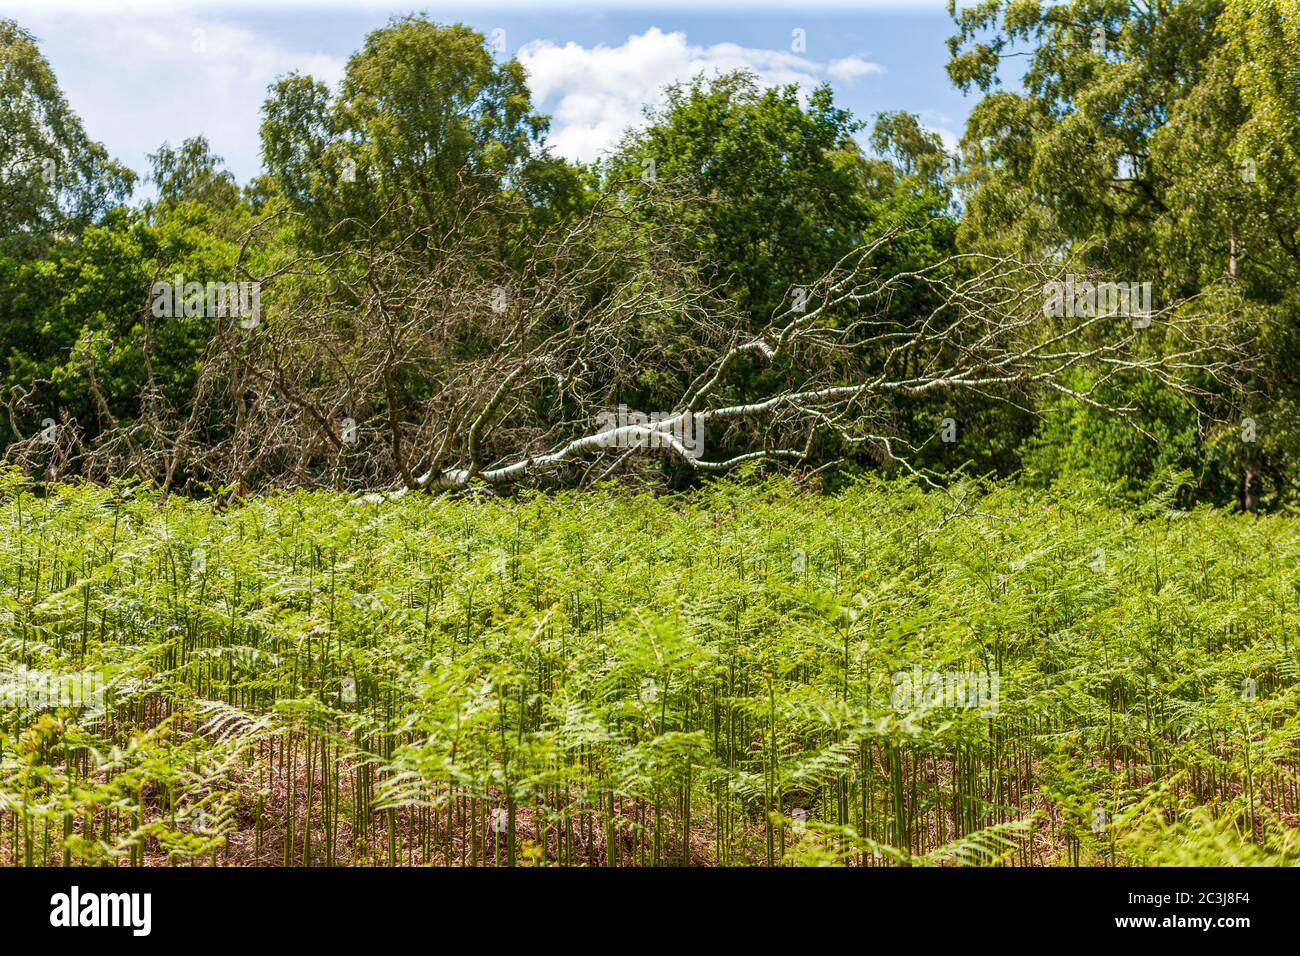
(805, 279)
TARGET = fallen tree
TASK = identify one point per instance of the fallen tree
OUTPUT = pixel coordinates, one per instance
(456, 357)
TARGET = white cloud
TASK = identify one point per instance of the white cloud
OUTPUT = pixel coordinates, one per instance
(595, 93)
(851, 67)
(137, 78)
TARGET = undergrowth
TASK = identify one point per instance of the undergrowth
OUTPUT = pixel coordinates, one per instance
(604, 679)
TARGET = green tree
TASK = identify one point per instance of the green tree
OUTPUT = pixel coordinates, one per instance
(192, 172)
(915, 150)
(770, 188)
(1145, 141)
(425, 126)
(52, 176)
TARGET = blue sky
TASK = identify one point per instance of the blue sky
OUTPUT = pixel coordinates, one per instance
(143, 72)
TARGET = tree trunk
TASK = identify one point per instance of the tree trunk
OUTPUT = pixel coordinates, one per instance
(1248, 499)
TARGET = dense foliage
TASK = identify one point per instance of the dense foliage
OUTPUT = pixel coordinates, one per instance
(1123, 150)
(584, 678)
(1158, 142)
(1067, 637)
